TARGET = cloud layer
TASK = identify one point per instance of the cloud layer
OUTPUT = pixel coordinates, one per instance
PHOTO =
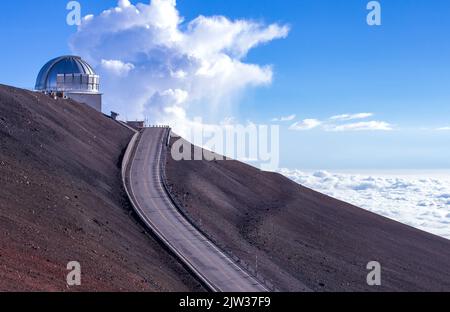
(419, 200)
(155, 65)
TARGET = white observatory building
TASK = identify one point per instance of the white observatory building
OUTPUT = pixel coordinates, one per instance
(71, 77)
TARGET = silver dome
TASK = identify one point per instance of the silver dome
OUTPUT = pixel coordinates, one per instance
(67, 73)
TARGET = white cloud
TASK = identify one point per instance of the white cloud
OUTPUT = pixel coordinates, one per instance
(284, 118)
(352, 116)
(419, 200)
(339, 123)
(362, 126)
(443, 129)
(150, 59)
(117, 67)
(123, 3)
(306, 124)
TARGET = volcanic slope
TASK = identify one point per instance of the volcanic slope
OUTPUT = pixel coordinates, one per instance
(62, 200)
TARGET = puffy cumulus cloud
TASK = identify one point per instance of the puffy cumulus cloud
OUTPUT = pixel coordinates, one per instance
(154, 64)
(235, 38)
(419, 200)
(124, 3)
(116, 67)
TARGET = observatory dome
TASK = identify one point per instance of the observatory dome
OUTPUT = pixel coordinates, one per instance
(67, 73)
(70, 77)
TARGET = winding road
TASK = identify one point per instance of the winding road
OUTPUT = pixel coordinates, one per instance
(142, 178)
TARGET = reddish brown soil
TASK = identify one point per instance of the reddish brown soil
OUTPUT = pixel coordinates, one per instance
(303, 239)
(61, 200)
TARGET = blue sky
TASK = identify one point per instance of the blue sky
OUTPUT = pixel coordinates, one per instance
(331, 63)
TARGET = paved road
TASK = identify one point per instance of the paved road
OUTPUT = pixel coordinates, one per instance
(210, 264)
